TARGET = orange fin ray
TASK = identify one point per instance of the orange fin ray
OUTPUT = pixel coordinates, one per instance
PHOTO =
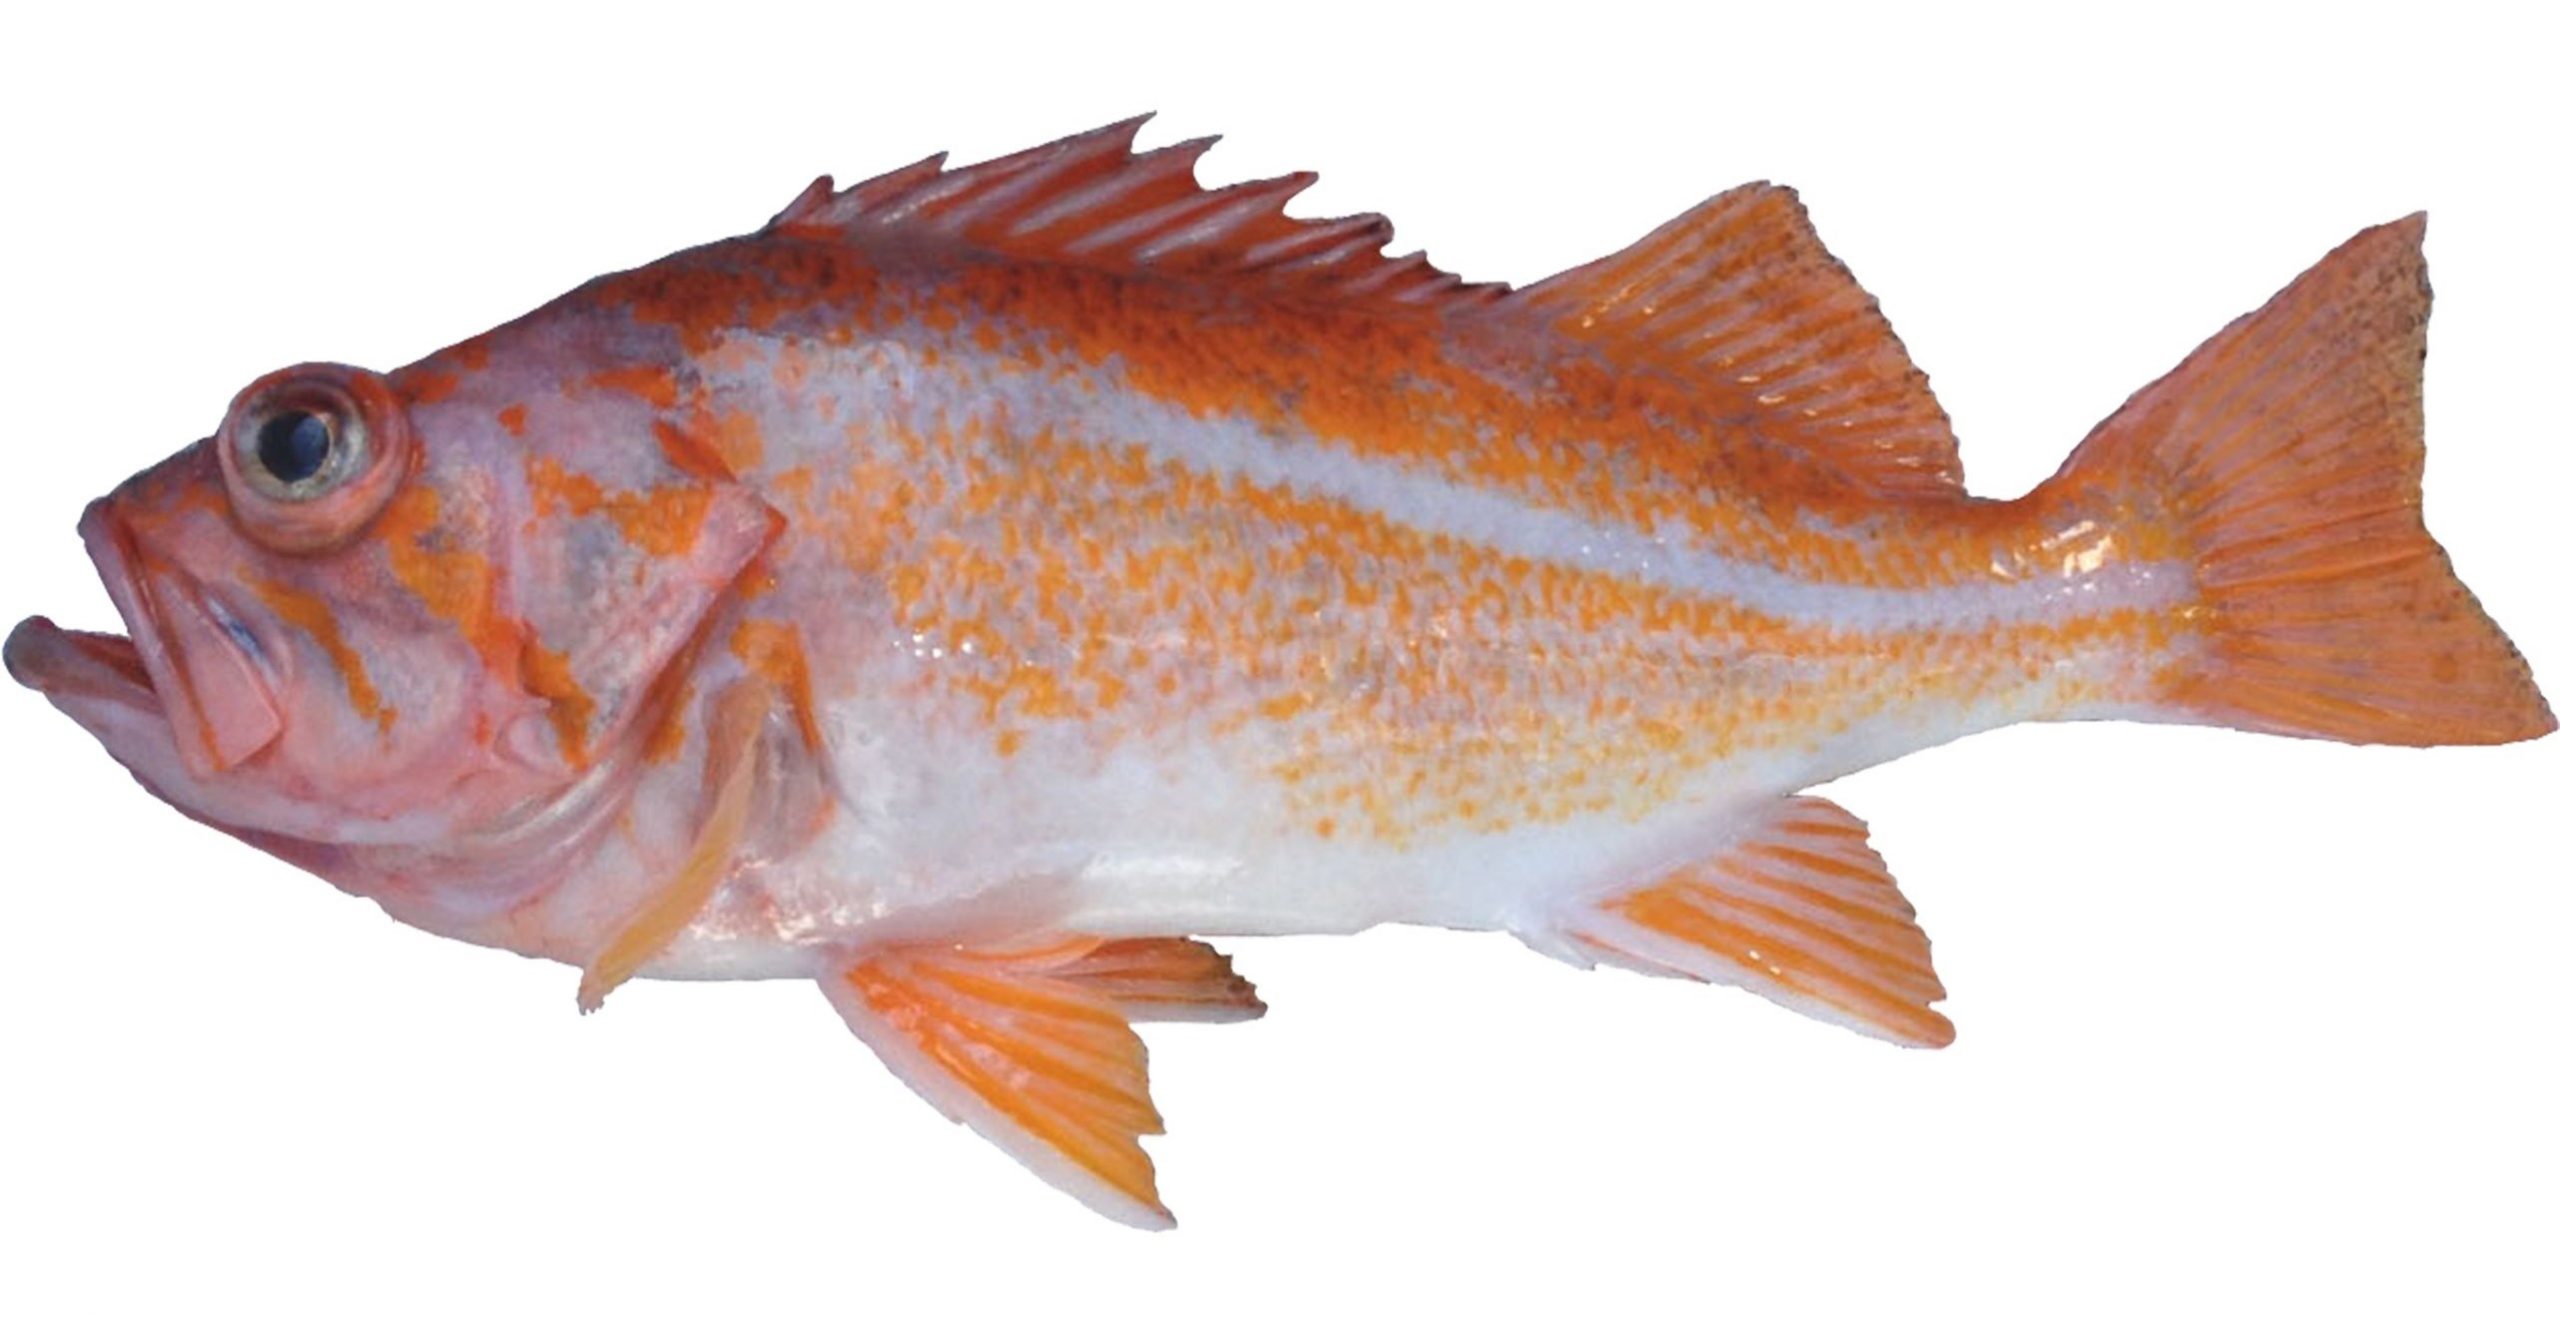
(736, 721)
(1739, 292)
(1034, 1050)
(1168, 978)
(2284, 456)
(1795, 907)
(1093, 201)
(1032, 1046)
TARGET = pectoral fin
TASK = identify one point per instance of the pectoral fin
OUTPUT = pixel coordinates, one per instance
(1794, 906)
(1033, 1049)
(736, 721)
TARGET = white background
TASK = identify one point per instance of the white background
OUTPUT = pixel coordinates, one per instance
(2247, 1024)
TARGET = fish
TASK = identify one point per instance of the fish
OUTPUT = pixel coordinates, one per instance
(977, 587)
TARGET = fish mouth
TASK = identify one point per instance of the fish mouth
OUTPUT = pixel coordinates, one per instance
(182, 663)
(80, 665)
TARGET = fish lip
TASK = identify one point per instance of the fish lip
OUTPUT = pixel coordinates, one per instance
(80, 665)
(146, 605)
(111, 550)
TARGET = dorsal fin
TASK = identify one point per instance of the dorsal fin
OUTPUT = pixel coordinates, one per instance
(1740, 291)
(1090, 200)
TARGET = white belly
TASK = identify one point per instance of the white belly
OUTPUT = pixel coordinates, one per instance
(970, 845)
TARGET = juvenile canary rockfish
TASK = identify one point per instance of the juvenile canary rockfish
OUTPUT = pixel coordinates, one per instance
(974, 585)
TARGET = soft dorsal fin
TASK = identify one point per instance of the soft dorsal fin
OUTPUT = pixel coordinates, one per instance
(1091, 200)
(1740, 291)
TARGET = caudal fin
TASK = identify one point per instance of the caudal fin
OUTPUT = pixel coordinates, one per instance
(2281, 463)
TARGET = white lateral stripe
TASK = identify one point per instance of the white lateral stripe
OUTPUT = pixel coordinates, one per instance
(1120, 416)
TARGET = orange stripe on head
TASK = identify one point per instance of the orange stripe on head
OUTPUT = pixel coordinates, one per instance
(663, 522)
(746, 284)
(547, 675)
(422, 387)
(312, 615)
(737, 436)
(655, 385)
(456, 584)
(689, 451)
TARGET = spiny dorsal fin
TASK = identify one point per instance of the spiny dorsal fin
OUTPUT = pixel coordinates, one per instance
(1091, 200)
(1740, 291)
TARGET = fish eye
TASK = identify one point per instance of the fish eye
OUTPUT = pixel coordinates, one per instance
(293, 445)
(302, 449)
(308, 455)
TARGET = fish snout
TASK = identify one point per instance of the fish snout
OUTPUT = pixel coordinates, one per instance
(220, 708)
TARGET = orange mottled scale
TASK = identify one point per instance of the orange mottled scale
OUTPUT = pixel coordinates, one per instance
(1051, 577)
(977, 583)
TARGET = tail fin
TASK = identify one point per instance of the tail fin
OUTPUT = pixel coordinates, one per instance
(2282, 459)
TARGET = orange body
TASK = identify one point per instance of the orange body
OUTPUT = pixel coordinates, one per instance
(975, 584)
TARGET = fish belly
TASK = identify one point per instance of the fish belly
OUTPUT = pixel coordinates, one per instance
(1226, 829)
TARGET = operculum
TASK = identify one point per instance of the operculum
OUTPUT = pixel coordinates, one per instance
(613, 615)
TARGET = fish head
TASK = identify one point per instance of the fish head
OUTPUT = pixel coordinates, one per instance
(281, 671)
(352, 640)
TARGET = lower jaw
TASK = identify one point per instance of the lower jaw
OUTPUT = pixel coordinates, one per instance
(79, 664)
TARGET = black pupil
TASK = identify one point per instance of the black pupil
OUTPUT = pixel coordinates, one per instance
(293, 445)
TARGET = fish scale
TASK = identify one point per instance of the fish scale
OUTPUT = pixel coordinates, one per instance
(978, 584)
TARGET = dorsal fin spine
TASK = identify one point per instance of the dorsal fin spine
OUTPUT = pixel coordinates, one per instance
(1376, 232)
(1265, 254)
(1384, 274)
(1100, 144)
(820, 191)
(1091, 200)
(988, 203)
(1236, 206)
(1147, 170)
(1121, 233)
(896, 182)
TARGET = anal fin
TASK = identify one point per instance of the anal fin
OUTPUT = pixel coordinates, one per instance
(1796, 907)
(1033, 1048)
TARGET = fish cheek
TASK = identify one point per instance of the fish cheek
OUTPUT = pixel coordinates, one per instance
(380, 704)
